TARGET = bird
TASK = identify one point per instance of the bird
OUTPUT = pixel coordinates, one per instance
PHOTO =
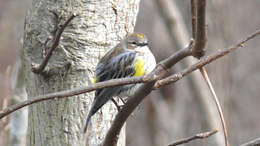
(129, 58)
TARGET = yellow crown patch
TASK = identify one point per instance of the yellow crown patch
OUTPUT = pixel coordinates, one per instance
(140, 35)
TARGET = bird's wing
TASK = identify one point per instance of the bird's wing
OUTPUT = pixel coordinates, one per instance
(118, 67)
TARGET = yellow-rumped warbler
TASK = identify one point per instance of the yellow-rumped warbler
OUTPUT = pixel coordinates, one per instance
(130, 58)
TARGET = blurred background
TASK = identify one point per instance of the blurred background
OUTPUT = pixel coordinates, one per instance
(178, 110)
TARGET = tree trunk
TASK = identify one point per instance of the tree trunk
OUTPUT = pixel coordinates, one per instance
(99, 27)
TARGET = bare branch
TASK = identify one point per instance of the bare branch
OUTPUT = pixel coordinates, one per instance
(115, 82)
(197, 136)
(178, 33)
(198, 9)
(77, 91)
(199, 65)
(145, 89)
(161, 69)
(140, 94)
(199, 24)
(202, 62)
(193, 17)
(38, 69)
(255, 142)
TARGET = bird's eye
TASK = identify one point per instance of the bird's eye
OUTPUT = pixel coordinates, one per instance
(134, 43)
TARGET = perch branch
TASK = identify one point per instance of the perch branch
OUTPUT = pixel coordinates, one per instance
(38, 69)
(72, 92)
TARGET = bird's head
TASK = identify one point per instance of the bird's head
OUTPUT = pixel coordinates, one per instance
(135, 42)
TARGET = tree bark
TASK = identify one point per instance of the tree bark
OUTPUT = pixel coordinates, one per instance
(99, 27)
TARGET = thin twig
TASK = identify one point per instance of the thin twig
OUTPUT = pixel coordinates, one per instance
(38, 69)
(202, 62)
(206, 77)
(197, 136)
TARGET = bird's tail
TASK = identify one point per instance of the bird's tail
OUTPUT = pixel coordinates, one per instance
(104, 96)
(87, 122)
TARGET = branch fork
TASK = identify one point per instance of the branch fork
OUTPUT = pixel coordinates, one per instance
(41, 68)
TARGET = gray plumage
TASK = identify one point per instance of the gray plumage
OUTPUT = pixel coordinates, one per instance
(119, 63)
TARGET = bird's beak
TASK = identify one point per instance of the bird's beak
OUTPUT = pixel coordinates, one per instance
(144, 44)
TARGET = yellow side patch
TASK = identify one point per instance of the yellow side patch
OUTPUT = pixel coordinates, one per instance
(139, 68)
(95, 80)
(140, 35)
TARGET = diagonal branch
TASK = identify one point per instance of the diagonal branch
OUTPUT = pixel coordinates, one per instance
(38, 69)
(159, 71)
(204, 61)
(144, 79)
(177, 31)
(197, 136)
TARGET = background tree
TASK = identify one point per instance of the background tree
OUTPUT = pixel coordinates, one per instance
(98, 27)
(178, 112)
